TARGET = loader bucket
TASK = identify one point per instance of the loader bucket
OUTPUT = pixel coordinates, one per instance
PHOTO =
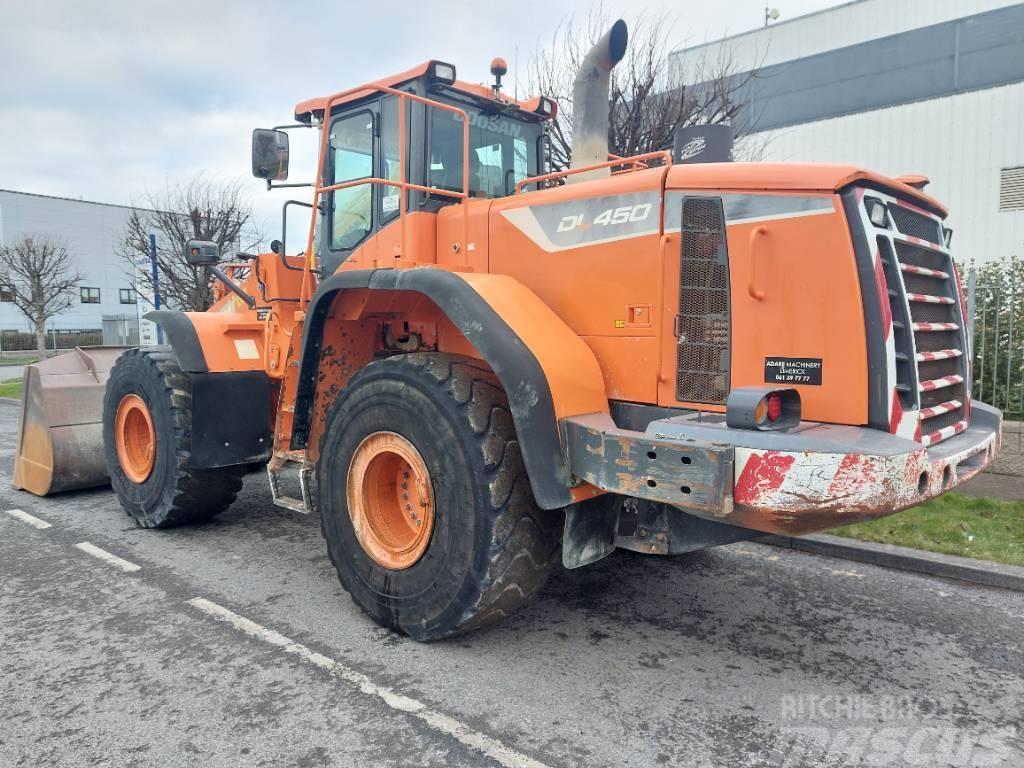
(60, 435)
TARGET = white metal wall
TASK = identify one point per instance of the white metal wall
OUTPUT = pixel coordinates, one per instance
(91, 232)
(960, 142)
(838, 27)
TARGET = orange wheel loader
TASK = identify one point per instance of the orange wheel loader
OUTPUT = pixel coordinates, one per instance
(480, 368)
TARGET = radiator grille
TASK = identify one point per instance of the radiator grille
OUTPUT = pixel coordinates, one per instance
(931, 348)
(915, 224)
(939, 355)
(703, 321)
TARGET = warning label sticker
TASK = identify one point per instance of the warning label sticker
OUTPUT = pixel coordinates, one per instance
(792, 370)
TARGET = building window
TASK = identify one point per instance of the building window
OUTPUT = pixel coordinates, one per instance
(1011, 189)
(90, 295)
(7, 294)
(128, 296)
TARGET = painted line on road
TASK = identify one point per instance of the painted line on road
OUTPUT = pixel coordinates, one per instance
(32, 520)
(102, 554)
(440, 722)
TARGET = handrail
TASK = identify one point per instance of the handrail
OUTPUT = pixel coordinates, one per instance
(663, 154)
(638, 165)
(402, 184)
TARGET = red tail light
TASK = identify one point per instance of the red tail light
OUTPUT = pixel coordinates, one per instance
(774, 406)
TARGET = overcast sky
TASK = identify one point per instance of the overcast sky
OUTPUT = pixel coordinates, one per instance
(103, 99)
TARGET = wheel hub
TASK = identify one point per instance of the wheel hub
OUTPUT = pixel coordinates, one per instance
(135, 438)
(390, 500)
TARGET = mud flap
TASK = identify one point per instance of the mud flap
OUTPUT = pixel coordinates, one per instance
(590, 528)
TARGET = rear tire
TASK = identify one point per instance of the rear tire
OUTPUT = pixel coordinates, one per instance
(490, 548)
(171, 493)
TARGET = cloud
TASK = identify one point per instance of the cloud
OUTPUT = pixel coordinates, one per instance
(105, 100)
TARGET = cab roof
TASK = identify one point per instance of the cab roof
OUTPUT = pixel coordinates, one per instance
(315, 106)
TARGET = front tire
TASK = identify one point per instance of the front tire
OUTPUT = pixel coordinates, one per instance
(489, 548)
(147, 436)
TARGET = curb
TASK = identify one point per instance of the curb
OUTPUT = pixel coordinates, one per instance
(982, 572)
(10, 400)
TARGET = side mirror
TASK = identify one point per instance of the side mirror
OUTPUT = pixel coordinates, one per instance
(201, 253)
(269, 154)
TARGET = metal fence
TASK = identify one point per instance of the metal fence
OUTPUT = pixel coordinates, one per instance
(117, 330)
(15, 342)
(995, 300)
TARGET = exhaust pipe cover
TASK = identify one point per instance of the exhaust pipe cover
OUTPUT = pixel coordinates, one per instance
(590, 102)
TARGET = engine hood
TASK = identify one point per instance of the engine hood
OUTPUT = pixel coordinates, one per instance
(790, 177)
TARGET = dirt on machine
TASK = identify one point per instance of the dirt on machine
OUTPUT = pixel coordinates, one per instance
(481, 369)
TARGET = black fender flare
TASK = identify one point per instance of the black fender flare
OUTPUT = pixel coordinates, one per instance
(181, 335)
(515, 365)
(233, 407)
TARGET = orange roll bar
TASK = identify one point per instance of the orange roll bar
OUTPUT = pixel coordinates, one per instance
(663, 154)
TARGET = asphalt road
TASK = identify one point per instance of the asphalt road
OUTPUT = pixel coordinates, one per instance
(232, 644)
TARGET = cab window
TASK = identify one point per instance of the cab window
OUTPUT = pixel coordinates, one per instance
(351, 159)
(391, 157)
(502, 152)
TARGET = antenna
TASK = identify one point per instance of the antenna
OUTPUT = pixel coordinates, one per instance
(515, 84)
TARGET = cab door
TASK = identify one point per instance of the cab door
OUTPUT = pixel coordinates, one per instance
(352, 153)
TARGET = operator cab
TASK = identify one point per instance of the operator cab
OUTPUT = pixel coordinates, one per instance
(506, 146)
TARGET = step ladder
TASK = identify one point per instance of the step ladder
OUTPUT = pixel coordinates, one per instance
(304, 505)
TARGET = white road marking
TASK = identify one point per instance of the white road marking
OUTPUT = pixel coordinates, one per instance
(25, 517)
(842, 572)
(102, 554)
(490, 747)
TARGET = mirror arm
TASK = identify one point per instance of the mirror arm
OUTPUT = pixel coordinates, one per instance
(232, 286)
(271, 185)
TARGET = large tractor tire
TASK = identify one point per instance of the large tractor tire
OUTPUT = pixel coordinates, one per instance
(424, 500)
(147, 435)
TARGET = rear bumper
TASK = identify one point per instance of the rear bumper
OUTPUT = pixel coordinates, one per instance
(810, 478)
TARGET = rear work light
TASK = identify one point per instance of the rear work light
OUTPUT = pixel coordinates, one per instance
(762, 408)
(547, 107)
(876, 212)
(442, 72)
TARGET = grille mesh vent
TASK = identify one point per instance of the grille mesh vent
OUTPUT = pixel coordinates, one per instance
(915, 224)
(703, 321)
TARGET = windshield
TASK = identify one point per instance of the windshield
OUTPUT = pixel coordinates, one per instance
(502, 151)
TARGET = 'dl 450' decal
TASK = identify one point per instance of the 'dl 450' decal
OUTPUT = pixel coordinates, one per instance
(626, 214)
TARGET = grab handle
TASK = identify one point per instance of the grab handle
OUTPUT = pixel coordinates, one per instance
(755, 234)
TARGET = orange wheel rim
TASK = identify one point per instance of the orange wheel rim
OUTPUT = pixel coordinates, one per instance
(135, 438)
(390, 500)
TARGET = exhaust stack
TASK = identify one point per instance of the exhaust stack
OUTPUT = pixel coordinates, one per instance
(590, 103)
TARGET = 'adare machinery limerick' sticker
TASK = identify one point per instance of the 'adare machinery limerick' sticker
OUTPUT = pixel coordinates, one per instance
(792, 370)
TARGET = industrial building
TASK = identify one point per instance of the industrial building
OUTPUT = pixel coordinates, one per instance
(932, 87)
(91, 232)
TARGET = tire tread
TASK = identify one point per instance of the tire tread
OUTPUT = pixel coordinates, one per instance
(195, 495)
(525, 542)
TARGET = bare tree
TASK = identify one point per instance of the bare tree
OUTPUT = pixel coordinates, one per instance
(199, 209)
(39, 277)
(653, 93)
